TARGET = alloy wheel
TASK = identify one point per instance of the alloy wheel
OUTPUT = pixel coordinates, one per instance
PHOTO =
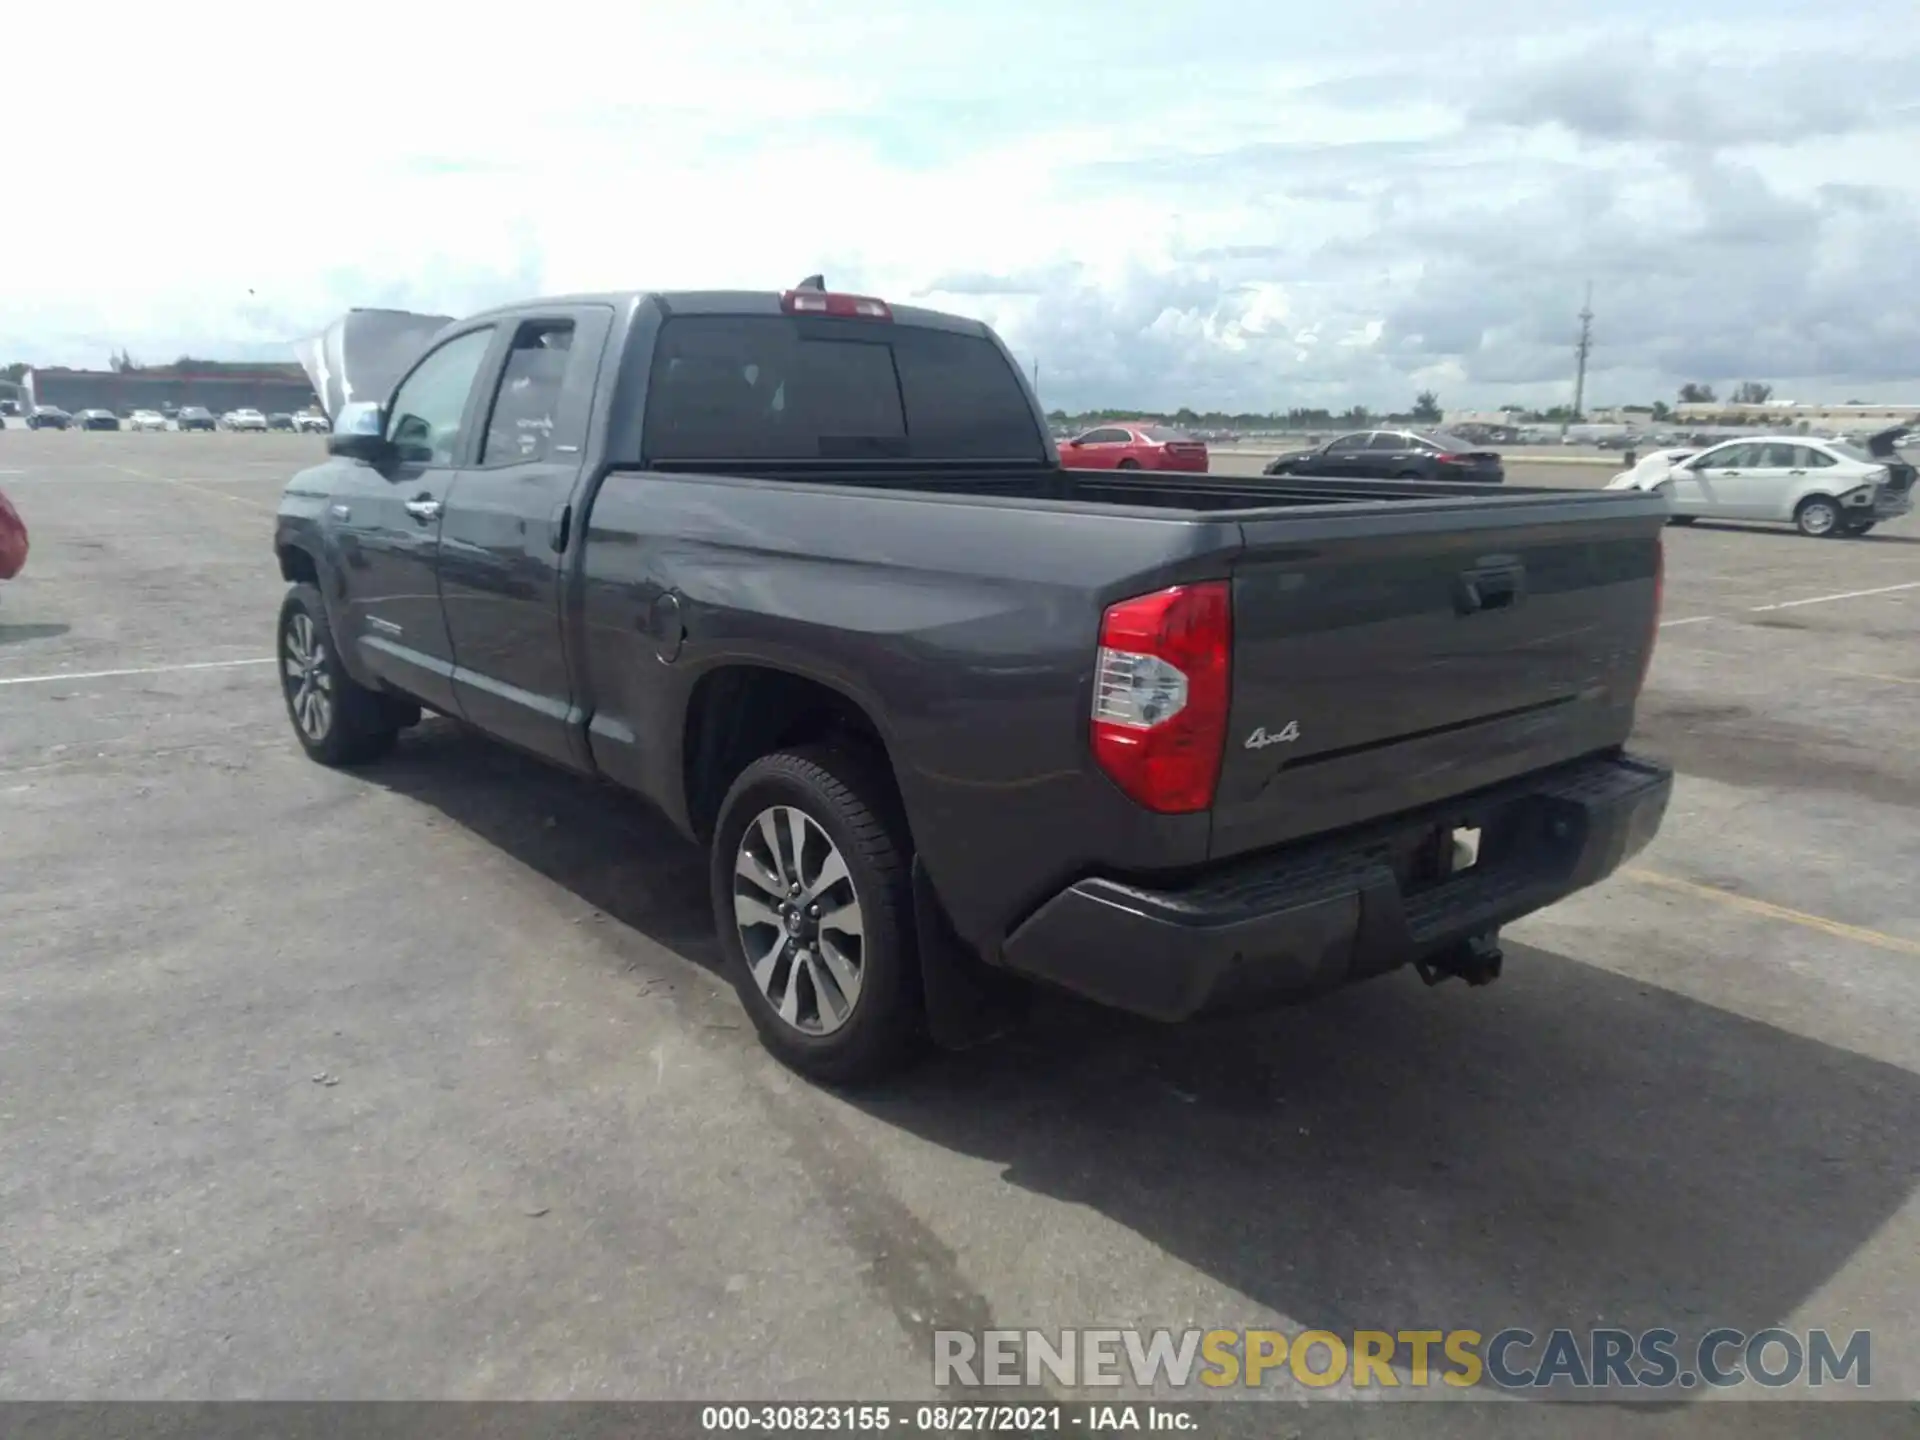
(308, 677)
(799, 920)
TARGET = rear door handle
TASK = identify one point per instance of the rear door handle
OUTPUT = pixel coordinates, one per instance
(423, 509)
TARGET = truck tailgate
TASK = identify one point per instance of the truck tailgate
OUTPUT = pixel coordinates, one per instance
(1424, 649)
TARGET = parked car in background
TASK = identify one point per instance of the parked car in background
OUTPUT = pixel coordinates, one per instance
(9, 407)
(1394, 455)
(243, 420)
(1134, 446)
(1824, 487)
(280, 421)
(48, 417)
(96, 420)
(308, 423)
(146, 420)
(194, 417)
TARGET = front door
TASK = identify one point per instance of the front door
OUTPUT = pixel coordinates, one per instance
(1101, 449)
(388, 523)
(1695, 486)
(1346, 456)
(508, 529)
(1760, 490)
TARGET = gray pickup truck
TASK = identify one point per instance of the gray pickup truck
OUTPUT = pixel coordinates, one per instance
(805, 571)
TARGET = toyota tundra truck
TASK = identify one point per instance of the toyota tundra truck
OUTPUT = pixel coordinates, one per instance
(805, 570)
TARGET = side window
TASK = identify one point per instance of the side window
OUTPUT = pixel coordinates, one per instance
(1779, 457)
(1107, 435)
(1387, 440)
(1728, 457)
(520, 425)
(1347, 445)
(1805, 457)
(424, 421)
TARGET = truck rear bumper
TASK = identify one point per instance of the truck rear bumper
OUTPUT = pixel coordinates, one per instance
(1309, 918)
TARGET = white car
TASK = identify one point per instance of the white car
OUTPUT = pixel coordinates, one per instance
(243, 420)
(146, 420)
(1825, 487)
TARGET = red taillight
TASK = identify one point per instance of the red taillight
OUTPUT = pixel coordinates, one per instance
(1160, 694)
(819, 302)
(1450, 459)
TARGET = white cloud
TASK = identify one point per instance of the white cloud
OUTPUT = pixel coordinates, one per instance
(1199, 204)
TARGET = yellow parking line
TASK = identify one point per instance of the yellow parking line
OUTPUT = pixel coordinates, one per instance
(197, 489)
(1898, 944)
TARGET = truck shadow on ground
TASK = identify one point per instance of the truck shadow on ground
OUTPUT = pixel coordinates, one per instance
(1567, 1147)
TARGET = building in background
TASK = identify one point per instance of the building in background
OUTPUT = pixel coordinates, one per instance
(218, 385)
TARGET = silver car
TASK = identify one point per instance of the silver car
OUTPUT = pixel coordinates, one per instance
(1824, 487)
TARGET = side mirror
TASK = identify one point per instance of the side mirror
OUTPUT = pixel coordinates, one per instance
(358, 434)
(1074, 444)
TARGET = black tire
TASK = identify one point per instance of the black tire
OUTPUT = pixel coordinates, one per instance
(1854, 529)
(1128, 465)
(359, 724)
(846, 795)
(1681, 519)
(1819, 517)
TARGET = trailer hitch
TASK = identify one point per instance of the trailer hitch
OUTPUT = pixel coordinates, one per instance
(1476, 960)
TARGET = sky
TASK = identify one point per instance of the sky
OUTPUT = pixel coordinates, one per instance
(1217, 205)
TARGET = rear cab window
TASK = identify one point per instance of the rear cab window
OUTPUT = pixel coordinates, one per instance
(780, 388)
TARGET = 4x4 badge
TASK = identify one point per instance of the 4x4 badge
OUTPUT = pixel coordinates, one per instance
(1260, 739)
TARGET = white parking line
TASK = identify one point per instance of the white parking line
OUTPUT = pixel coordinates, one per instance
(1794, 604)
(1843, 595)
(136, 670)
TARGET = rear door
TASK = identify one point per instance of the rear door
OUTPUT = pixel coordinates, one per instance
(387, 520)
(508, 528)
(1427, 648)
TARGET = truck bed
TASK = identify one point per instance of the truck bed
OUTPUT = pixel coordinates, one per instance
(1163, 490)
(963, 604)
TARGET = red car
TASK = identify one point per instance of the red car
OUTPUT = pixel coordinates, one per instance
(13, 540)
(1133, 446)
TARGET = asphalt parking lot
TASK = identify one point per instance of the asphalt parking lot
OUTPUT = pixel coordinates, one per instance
(418, 1082)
